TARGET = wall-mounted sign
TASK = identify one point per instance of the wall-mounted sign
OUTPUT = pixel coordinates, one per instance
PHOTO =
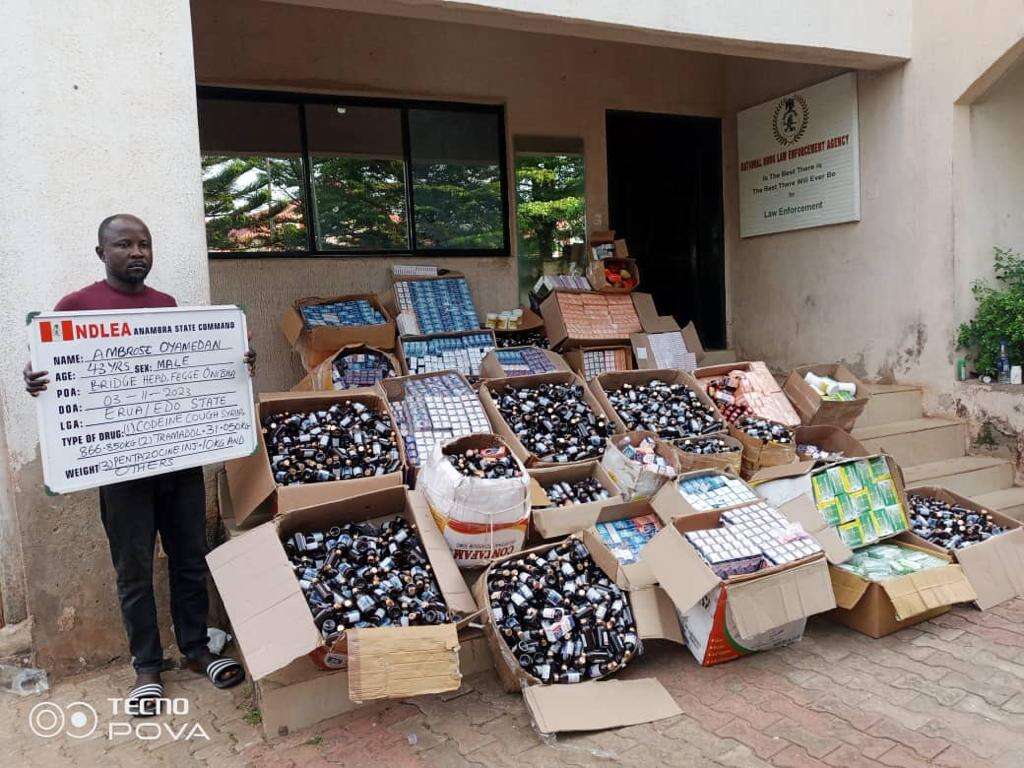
(799, 159)
(136, 393)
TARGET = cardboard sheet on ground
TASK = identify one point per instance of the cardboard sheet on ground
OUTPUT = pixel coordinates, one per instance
(392, 662)
(598, 705)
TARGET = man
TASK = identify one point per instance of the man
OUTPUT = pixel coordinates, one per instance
(133, 512)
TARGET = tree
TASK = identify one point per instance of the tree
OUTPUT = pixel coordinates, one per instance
(550, 210)
(253, 203)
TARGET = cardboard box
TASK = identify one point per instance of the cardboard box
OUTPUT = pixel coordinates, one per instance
(599, 280)
(758, 454)
(410, 315)
(879, 608)
(774, 404)
(321, 378)
(832, 439)
(810, 406)
(627, 320)
(647, 353)
(629, 576)
(552, 522)
(728, 462)
(274, 625)
(633, 479)
(490, 366)
(595, 704)
(995, 568)
(404, 340)
(495, 387)
(301, 694)
(253, 489)
(608, 382)
(749, 611)
(575, 357)
(315, 343)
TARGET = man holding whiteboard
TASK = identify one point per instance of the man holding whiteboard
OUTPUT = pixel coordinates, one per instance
(171, 504)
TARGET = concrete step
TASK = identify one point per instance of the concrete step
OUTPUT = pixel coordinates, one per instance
(1009, 501)
(966, 475)
(916, 441)
(891, 402)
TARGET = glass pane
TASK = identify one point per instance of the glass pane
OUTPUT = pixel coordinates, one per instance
(252, 176)
(550, 210)
(358, 173)
(456, 176)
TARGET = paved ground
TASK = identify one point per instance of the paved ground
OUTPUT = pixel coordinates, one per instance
(946, 693)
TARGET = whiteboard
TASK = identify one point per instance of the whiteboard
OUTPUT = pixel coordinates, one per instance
(137, 393)
(799, 159)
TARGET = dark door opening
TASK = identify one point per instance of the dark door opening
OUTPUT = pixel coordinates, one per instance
(665, 199)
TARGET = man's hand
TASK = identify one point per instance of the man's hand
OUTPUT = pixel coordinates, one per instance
(35, 381)
(250, 361)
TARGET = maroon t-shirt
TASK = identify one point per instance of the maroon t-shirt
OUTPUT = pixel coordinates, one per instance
(101, 295)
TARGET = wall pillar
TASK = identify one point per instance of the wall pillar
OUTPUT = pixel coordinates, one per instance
(98, 116)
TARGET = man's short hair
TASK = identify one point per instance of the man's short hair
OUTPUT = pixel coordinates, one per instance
(105, 224)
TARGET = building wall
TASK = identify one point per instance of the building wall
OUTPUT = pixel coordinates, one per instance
(551, 86)
(106, 125)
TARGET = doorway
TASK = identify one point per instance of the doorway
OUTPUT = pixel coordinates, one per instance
(665, 199)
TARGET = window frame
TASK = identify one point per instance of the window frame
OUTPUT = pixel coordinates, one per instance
(300, 99)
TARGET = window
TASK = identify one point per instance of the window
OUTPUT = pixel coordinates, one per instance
(550, 207)
(303, 174)
(252, 176)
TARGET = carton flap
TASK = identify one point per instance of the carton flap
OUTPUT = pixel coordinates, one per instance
(656, 617)
(678, 568)
(771, 601)
(995, 568)
(538, 496)
(394, 662)
(597, 705)
(692, 340)
(801, 509)
(268, 613)
(916, 593)
(449, 577)
(848, 587)
(779, 471)
(778, 492)
(249, 480)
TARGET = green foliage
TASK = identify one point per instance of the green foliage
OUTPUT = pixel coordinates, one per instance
(999, 316)
(550, 210)
(457, 205)
(253, 203)
(359, 203)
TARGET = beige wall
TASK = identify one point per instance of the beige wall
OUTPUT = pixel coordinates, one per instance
(94, 121)
(554, 86)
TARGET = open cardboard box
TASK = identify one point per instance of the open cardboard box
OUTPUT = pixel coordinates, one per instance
(552, 522)
(491, 368)
(632, 478)
(731, 461)
(558, 334)
(574, 357)
(493, 388)
(274, 625)
(595, 704)
(758, 454)
(440, 274)
(995, 568)
(813, 409)
(315, 343)
(321, 378)
(254, 492)
(879, 608)
(780, 409)
(404, 340)
(832, 439)
(608, 382)
(724, 619)
(629, 576)
(647, 357)
(599, 280)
